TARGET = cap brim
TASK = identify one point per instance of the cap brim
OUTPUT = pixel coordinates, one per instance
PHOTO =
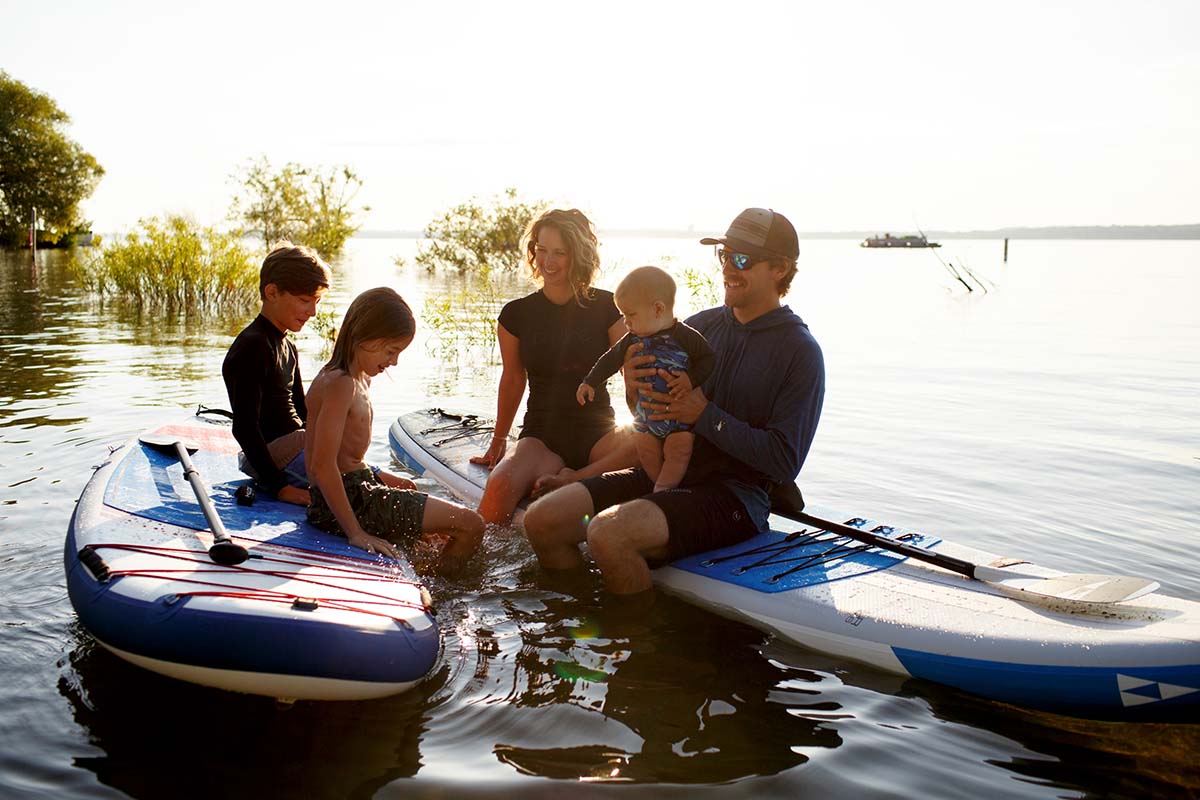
(739, 246)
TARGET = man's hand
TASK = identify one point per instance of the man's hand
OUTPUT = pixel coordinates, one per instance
(294, 495)
(637, 372)
(494, 454)
(585, 394)
(686, 409)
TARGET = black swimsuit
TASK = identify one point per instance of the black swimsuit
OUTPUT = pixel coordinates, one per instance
(559, 345)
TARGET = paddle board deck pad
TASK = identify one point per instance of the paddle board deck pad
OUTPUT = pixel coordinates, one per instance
(1136, 659)
(306, 616)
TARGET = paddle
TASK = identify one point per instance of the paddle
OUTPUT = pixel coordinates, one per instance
(1063, 590)
(224, 550)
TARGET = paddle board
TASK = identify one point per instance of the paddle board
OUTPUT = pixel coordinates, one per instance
(1139, 658)
(305, 617)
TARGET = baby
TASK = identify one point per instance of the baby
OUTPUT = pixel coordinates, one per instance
(646, 299)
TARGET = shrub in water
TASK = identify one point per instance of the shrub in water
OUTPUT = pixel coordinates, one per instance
(176, 263)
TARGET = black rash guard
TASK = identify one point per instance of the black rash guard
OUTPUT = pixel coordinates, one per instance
(559, 344)
(262, 376)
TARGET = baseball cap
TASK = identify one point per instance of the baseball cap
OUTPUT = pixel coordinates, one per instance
(759, 232)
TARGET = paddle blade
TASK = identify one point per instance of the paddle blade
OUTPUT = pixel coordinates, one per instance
(165, 443)
(1071, 588)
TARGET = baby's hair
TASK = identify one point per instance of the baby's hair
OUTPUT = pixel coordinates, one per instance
(375, 314)
(648, 283)
(295, 269)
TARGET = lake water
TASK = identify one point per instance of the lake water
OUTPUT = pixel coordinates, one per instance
(1054, 417)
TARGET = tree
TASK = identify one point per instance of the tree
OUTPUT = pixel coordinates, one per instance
(305, 205)
(40, 167)
(474, 239)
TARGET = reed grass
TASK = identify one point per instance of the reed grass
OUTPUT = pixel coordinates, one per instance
(462, 319)
(174, 263)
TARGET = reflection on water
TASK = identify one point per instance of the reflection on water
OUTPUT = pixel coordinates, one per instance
(162, 738)
(1052, 419)
(692, 721)
(41, 359)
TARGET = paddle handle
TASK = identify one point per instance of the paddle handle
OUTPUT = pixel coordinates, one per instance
(193, 477)
(884, 543)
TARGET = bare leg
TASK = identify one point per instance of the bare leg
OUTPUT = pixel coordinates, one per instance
(650, 453)
(513, 477)
(556, 524)
(464, 527)
(620, 540)
(677, 452)
(615, 450)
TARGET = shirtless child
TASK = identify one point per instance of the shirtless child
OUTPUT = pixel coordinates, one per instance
(371, 507)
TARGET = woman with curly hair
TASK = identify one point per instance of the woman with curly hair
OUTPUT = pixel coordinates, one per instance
(549, 340)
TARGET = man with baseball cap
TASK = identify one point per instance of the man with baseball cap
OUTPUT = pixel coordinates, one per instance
(754, 420)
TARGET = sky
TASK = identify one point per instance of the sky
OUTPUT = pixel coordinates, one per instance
(664, 115)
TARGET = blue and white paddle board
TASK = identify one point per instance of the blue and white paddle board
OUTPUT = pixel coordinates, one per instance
(1136, 659)
(306, 617)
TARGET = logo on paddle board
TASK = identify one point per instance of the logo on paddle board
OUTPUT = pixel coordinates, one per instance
(1139, 691)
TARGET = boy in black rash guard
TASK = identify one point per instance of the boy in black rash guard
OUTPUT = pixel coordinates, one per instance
(646, 300)
(262, 373)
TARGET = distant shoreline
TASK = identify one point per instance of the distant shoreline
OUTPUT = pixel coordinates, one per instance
(1052, 232)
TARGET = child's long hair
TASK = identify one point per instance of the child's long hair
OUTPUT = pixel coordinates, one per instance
(375, 314)
(580, 239)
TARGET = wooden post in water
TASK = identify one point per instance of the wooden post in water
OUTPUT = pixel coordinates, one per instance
(33, 233)
(1006, 250)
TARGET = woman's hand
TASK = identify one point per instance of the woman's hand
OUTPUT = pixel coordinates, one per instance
(494, 454)
(585, 394)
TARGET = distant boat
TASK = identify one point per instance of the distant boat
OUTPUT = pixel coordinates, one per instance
(887, 240)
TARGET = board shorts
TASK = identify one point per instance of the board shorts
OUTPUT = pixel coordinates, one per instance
(700, 517)
(382, 510)
(572, 443)
(288, 454)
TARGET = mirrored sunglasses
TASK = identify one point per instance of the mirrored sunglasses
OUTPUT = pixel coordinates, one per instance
(740, 261)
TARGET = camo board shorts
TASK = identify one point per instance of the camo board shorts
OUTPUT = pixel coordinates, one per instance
(382, 510)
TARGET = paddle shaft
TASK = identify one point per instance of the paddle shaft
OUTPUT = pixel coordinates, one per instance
(1081, 592)
(884, 543)
(193, 477)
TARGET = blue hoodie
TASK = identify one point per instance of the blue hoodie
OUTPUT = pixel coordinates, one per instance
(765, 394)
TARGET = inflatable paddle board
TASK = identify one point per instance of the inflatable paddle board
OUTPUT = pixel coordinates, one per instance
(305, 616)
(821, 589)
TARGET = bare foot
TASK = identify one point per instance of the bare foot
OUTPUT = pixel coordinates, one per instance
(549, 482)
